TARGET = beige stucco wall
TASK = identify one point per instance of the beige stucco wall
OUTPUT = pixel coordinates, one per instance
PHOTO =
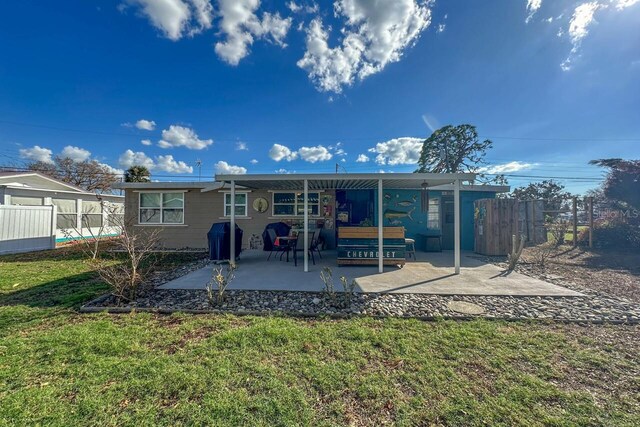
(202, 209)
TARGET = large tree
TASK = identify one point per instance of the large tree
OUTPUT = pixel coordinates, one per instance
(456, 149)
(622, 183)
(553, 194)
(89, 175)
(137, 173)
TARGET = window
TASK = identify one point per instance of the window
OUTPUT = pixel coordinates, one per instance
(91, 214)
(115, 214)
(67, 217)
(26, 201)
(433, 217)
(241, 204)
(292, 204)
(161, 208)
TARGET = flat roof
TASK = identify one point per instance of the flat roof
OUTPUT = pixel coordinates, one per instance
(344, 181)
(165, 184)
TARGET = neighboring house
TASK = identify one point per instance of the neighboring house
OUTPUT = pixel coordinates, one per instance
(77, 209)
(185, 211)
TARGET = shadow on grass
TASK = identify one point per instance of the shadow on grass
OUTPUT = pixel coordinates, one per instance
(67, 292)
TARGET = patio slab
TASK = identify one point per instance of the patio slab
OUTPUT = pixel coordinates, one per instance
(431, 273)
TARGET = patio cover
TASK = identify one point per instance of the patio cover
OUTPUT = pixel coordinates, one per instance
(349, 181)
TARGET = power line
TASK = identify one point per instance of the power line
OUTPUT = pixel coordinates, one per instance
(327, 140)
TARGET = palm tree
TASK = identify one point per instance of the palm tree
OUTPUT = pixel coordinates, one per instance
(137, 173)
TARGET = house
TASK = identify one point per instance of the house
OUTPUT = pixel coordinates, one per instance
(420, 204)
(77, 211)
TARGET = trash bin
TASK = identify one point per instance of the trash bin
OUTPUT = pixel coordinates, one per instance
(280, 228)
(219, 238)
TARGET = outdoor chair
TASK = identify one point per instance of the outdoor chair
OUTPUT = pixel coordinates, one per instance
(281, 247)
(410, 248)
(299, 247)
(315, 242)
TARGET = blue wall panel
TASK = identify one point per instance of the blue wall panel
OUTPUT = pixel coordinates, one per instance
(402, 208)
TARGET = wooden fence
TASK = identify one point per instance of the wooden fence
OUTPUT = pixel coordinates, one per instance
(27, 228)
(537, 216)
(496, 220)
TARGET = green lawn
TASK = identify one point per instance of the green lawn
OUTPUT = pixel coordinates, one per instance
(59, 367)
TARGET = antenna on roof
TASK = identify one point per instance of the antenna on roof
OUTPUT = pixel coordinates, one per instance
(199, 165)
(338, 166)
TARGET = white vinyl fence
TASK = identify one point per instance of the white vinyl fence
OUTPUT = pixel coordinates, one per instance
(27, 228)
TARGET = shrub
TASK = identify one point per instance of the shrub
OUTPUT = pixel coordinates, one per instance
(558, 229)
(125, 276)
(218, 284)
(613, 234)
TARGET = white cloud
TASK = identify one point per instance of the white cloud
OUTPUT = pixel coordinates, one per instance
(532, 8)
(514, 166)
(160, 164)
(583, 17)
(398, 151)
(623, 4)
(169, 164)
(314, 154)
(302, 8)
(176, 18)
(180, 136)
(362, 158)
(224, 168)
(129, 158)
(284, 171)
(146, 124)
(253, 161)
(146, 142)
(441, 28)
(241, 26)
(375, 34)
(280, 152)
(111, 169)
(36, 154)
(76, 154)
(337, 149)
(241, 146)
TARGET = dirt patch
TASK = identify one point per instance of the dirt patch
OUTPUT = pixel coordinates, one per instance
(615, 273)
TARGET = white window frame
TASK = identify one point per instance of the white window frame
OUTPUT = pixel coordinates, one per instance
(295, 204)
(437, 221)
(225, 204)
(162, 193)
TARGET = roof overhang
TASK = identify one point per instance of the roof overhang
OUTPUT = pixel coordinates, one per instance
(344, 181)
(163, 185)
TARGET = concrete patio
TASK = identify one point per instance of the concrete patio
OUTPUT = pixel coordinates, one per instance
(431, 273)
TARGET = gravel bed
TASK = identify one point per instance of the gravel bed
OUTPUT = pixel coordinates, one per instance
(594, 307)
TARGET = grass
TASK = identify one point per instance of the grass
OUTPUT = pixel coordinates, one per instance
(59, 367)
(568, 236)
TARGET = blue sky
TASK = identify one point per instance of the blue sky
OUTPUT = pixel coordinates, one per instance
(259, 87)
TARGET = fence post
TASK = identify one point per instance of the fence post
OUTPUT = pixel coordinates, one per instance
(54, 222)
(591, 222)
(575, 221)
(533, 221)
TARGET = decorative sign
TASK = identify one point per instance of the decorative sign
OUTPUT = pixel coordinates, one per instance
(359, 245)
(260, 205)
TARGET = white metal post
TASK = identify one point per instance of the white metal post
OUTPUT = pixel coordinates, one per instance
(456, 232)
(79, 217)
(54, 225)
(380, 229)
(232, 255)
(306, 225)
